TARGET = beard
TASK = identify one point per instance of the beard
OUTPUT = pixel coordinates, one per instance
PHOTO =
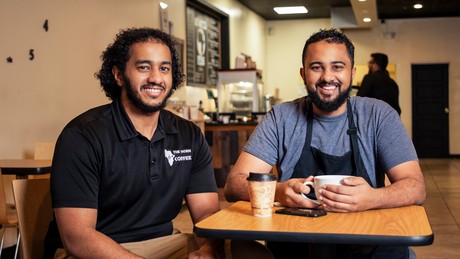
(329, 106)
(136, 100)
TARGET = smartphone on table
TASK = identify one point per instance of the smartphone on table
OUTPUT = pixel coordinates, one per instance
(302, 212)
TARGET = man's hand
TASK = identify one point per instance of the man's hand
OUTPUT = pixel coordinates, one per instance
(355, 195)
(288, 193)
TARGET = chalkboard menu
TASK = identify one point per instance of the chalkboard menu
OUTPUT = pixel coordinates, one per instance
(203, 48)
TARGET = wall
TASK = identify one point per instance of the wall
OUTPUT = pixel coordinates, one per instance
(285, 41)
(37, 98)
(417, 41)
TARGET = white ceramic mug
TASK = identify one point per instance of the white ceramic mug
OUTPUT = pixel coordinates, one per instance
(321, 180)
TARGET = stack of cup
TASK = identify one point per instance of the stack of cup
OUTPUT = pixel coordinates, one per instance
(262, 189)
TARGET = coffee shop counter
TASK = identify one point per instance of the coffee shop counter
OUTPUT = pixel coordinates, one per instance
(226, 142)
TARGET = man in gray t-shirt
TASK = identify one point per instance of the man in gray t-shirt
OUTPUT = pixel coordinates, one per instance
(383, 138)
(328, 132)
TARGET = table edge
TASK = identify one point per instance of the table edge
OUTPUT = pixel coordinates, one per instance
(26, 171)
(316, 237)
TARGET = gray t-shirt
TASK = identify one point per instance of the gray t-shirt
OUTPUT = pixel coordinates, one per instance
(382, 139)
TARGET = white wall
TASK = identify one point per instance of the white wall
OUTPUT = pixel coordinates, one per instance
(37, 98)
(285, 41)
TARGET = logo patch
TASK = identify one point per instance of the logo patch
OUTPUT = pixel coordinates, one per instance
(179, 155)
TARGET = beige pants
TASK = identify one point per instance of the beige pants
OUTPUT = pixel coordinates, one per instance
(173, 246)
(180, 245)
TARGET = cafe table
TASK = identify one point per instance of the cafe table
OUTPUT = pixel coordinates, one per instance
(405, 226)
(24, 167)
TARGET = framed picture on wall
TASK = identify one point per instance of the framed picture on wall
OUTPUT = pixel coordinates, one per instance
(204, 44)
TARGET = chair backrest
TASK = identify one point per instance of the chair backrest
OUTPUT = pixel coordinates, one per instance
(3, 211)
(33, 205)
(44, 150)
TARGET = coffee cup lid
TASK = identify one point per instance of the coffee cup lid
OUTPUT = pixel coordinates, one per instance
(261, 177)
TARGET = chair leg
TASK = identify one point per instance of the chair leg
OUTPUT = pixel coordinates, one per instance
(17, 243)
(3, 238)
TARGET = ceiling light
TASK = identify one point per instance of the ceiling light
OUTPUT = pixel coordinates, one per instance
(290, 9)
(367, 19)
(418, 6)
(163, 5)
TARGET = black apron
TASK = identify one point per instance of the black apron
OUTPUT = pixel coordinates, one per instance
(314, 162)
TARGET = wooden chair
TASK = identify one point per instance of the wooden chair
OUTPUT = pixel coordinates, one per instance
(33, 206)
(8, 217)
(43, 150)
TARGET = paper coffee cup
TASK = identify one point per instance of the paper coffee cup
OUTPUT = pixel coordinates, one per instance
(262, 189)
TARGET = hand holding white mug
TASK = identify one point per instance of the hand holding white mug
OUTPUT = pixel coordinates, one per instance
(321, 180)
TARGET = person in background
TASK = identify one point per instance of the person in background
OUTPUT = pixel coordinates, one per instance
(329, 132)
(378, 83)
(121, 170)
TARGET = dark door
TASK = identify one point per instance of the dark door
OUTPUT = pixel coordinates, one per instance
(430, 112)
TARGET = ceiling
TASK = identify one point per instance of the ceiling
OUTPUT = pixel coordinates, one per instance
(386, 9)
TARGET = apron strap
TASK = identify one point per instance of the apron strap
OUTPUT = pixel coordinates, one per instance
(353, 132)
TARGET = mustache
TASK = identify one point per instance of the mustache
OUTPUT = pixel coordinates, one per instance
(330, 83)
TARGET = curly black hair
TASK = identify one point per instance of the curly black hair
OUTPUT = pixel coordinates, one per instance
(331, 36)
(117, 54)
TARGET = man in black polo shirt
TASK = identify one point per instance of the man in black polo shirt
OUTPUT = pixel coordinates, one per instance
(121, 171)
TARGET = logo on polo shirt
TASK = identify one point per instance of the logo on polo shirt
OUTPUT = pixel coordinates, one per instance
(178, 155)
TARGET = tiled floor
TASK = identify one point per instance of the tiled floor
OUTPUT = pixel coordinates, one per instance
(442, 205)
(442, 178)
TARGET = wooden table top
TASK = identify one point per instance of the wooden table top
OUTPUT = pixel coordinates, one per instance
(25, 166)
(397, 226)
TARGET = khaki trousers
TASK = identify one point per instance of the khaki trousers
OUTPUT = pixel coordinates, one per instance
(181, 244)
(173, 246)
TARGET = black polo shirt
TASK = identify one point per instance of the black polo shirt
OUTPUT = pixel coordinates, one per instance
(137, 185)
